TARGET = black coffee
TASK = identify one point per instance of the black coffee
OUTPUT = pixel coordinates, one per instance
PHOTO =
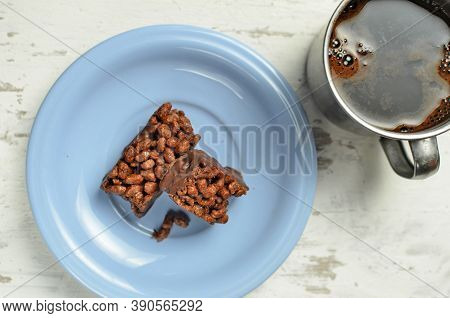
(390, 62)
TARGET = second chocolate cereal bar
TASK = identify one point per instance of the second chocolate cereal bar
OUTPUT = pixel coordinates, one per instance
(200, 185)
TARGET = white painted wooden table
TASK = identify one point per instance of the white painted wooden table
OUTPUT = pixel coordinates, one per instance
(375, 235)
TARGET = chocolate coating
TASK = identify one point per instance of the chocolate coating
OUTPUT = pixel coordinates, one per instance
(200, 185)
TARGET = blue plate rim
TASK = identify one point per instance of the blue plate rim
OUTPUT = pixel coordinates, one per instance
(269, 68)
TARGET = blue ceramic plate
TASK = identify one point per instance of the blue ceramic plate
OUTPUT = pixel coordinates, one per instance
(100, 103)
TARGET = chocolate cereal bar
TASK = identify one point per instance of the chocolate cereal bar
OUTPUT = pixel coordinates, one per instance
(200, 185)
(145, 161)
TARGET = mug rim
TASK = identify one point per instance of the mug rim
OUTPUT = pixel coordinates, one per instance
(427, 133)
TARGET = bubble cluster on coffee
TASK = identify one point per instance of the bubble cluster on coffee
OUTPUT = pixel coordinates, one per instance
(338, 51)
(344, 60)
(444, 66)
(344, 55)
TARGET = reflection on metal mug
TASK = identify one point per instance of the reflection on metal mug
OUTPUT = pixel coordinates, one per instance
(357, 87)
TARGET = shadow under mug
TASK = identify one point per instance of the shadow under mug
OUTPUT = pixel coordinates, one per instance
(423, 144)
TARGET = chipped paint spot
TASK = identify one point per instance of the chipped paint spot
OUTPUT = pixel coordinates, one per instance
(316, 213)
(5, 279)
(323, 266)
(8, 87)
(3, 245)
(4, 43)
(11, 34)
(9, 60)
(322, 138)
(6, 137)
(54, 53)
(348, 145)
(20, 114)
(21, 135)
(323, 163)
(317, 290)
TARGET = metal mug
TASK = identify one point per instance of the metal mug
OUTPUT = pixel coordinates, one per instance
(423, 144)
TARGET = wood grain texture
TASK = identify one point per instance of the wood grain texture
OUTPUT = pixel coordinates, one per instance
(375, 235)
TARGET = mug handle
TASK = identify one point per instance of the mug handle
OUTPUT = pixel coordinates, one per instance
(425, 155)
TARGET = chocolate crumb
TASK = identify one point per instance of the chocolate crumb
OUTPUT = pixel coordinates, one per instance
(172, 217)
